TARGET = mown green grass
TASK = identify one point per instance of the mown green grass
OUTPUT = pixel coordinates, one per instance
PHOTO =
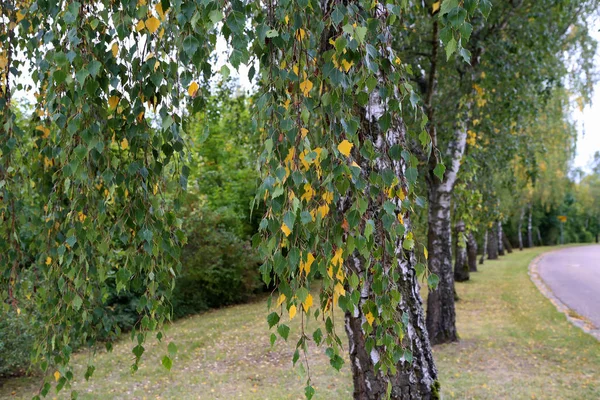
(514, 345)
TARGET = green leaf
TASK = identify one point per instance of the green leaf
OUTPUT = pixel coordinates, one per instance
(225, 71)
(451, 47)
(284, 331)
(190, 45)
(138, 351)
(433, 280)
(411, 175)
(215, 16)
(94, 68)
(273, 319)
(361, 32)
(447, 6)
(309, 392)
(439, 171)
(77, 302)
(167, 362)
(271, 33)
(172, 348)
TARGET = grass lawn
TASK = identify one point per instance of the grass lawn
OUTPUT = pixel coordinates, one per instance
(514, 345)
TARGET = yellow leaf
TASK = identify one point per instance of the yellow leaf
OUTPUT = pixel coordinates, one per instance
(113, 101)
(155, 188)
(338, 291)
(323, 210)
(398, 61)
(20, 16)
(56, 375)
(115, 49)
(305, 266)
(308, 302)
(193, 89)
(159, 10)
(370, 318)
(292, 311)
(48, 260)
(401, 194)
(285, 230)
(44, 129)
(340, 274)
(305, 164)
(140, 25)
(337, 259)
(303, 131)
(305, 87)
(344, 147)
(286, 105)
(425, 252)
(124, 144)
(435, 7)
(308, 192)
(280, 299)
(287, 19)
(81, 216)
(300, 34)
(140, 116)
(328, 197)
(347, 65)
(152, 24)
(3, 61)
(400, 219)
(18, 311)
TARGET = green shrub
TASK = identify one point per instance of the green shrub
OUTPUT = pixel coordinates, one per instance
(16, 341)
(218, 267)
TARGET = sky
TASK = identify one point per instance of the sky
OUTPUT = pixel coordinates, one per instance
(588, 140)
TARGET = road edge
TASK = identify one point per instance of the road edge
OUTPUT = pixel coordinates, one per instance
(582, 323)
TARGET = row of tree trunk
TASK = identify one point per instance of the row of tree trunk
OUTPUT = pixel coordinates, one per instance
(495, 244)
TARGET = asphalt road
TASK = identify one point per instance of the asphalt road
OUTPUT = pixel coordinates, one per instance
(573, 275)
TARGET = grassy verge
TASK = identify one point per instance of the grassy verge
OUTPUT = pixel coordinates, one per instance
(514, 345)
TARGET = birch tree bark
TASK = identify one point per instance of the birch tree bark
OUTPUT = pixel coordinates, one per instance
(416, 374)
(461, 268)
(492, 244)
(441, 315)
(484, 247)
(529, 228)
(499, 240)
(471, 252)
(520, 229)
(416, 379)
